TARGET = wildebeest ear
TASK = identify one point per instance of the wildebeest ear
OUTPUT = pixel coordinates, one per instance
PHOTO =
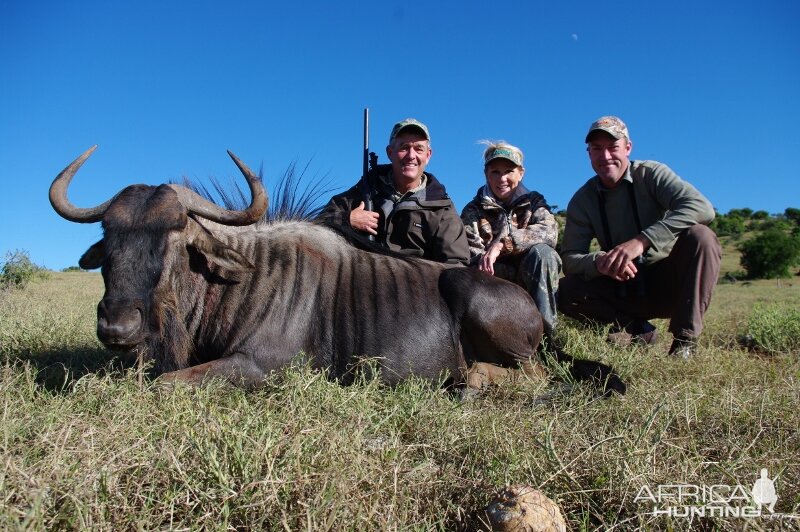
(218, 253)
(93, 258)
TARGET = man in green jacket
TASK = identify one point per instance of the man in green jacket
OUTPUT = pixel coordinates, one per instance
(412, 213)
(657, 257)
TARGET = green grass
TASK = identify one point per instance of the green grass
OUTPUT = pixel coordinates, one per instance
(85, 444)
(774, 328)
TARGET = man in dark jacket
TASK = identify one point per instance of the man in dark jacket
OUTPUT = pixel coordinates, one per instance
(412, 213)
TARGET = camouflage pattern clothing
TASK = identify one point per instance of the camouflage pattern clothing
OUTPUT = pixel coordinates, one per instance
(529, 232)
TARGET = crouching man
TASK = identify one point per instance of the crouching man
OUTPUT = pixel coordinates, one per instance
(657, 257)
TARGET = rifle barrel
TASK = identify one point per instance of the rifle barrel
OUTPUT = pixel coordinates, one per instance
(365, 171)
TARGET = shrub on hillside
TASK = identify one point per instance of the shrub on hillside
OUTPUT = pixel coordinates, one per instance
(18, 270)
(770, 254)
(773, 329)
(792, 214)
(728, 225)
(744, 213)
(784, 224)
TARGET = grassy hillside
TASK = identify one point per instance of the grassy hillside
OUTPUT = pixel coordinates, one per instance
(85, 444)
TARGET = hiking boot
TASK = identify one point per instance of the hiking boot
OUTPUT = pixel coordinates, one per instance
(683, 347)
(638, 332)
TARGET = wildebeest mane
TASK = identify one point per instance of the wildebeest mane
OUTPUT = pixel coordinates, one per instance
(288, 201)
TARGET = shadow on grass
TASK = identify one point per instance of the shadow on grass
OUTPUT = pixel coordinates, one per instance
(57, 370)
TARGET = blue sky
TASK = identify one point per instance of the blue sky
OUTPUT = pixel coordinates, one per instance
(164, 88)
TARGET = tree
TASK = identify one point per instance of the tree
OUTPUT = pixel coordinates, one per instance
(728, 225)
(770, 254)
(792, 214)
(744, 213)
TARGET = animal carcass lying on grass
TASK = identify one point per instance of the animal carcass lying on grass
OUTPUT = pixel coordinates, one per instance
(206, 291)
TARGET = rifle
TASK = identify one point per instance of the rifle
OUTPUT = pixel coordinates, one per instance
(369, 164)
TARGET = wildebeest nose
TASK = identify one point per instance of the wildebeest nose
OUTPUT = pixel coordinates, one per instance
(119, 323)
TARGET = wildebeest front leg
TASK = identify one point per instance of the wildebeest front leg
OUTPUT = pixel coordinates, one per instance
(238, 369)
(481, 374)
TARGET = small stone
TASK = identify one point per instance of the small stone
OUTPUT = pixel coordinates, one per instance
(524, 509)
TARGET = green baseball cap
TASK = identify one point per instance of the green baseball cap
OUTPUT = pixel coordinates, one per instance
(612, 125)
(503, 153)
(409, 123)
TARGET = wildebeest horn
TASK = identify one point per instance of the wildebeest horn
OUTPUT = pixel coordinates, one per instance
(199, 205)
(58, 194)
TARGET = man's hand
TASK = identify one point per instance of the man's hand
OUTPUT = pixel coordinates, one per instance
(489, 256)
(618, 263)
(364, 220)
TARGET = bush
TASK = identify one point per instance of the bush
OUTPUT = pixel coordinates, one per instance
(744, 213)
(18, 270)
(774, 329)
(792, 214)
(770, 254)
(727, 225)
(781, 223)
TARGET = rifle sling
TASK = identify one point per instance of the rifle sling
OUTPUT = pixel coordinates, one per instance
(604, 217)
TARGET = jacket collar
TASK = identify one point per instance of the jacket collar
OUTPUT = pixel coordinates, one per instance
(430, 189)
(627, 177)
(488, 199)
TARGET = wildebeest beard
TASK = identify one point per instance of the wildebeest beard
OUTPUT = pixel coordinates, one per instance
(170, 345)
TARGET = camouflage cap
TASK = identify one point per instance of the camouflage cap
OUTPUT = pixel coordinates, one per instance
(502, 152)
(409, 122)
(612, 125)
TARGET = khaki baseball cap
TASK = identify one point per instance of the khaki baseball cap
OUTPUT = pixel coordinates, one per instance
(503, 153)
(612, 125)
(412, 123)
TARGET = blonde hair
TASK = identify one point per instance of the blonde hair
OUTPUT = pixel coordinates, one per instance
(512, 153)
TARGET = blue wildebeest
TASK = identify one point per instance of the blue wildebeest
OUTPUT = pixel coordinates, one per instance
(206, 291)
